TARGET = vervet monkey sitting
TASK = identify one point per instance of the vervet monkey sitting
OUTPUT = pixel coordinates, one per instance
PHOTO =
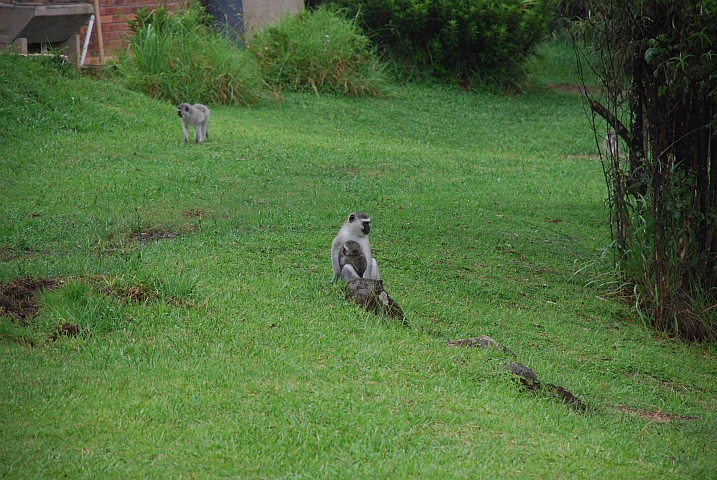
(197, 116)
(355, 229)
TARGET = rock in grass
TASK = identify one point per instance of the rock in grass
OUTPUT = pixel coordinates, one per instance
(482, 341)
(370, 295)
(530, 380)
(567, 397)
(527, 376)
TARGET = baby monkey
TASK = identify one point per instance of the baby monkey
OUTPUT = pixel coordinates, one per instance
(351, 255)
(197, 116)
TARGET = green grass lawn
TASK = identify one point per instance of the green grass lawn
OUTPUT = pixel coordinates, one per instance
(238, 358)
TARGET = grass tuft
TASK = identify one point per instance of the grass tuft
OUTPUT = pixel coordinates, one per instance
(180, 58)
(319, 51)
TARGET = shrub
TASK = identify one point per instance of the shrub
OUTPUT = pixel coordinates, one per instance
(178, 57)
(466, 40)
(320, 51)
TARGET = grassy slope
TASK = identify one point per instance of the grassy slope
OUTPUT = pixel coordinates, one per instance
(265, 371)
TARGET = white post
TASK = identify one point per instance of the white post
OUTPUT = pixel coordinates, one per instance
(87, 39)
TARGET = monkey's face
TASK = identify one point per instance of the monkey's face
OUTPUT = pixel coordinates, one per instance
(361, 221)
(182, 108)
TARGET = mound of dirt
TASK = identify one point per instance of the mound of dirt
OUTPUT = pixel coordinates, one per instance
(19, 299)
(152, 236)
(482, 341)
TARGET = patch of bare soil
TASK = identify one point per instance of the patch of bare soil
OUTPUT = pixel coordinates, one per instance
(591, 157)
(69, 330)
(152, 236)
(195, 213)
(654, 416)
(113, 286)
(6, 254)
(573, 88)
(137, 294)
(19, 299)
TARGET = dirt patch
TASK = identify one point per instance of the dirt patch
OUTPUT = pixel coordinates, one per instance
(133, 293)
(68, 329)
(115, 287)
(19, 299)
(573, 88)
(6, 254)
(152, 236)
(137, 294)
(195, 213)
(590, 157)
(654, 416)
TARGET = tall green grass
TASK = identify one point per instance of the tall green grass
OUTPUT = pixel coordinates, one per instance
(319, 51)
(180, 58)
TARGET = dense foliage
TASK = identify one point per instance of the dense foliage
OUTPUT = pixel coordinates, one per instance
(466, 40)
(657, 62)
(320, 51)
(178, 57)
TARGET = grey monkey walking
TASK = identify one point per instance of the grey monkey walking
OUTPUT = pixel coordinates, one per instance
(197, 116)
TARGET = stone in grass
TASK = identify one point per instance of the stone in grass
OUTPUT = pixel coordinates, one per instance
(527, 376)
(370, 295)
(567, 397)
(530, 380)
(482, 341)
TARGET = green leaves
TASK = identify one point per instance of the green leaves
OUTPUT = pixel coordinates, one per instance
(178, 58)
(467, 41)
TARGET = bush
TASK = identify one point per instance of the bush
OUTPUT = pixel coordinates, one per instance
(320, 51)
(178, 57)
(465, 40)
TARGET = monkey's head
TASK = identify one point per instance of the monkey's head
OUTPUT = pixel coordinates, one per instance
(361, 221)
(182, 109)
(352, 249)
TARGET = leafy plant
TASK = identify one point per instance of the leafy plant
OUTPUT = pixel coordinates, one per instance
(178, 57)
(469, 41)
(319, 51)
